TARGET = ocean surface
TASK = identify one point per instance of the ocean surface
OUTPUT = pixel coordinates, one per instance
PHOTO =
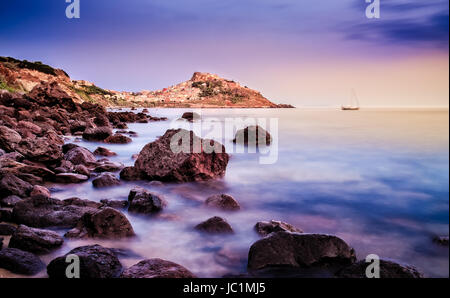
(379, 179)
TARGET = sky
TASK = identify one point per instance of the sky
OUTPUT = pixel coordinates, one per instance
(302, 52)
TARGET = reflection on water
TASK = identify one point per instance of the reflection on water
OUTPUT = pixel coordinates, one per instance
(377, 179)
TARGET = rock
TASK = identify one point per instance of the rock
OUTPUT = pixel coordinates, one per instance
(103, 223)
(157, 161)
(109, 166)
(9, 138)
(97, 134)
(142, 201)
(130, 174)
(35, 240)
(117, 204)
(118, 139)
(70, 178)
(388, 269)
(40, 192)
(10, 201)
(7, 229)
(20, 262)
(12, 185)
(252, 135)
(157, 268)
(5, 215)
(33, 128)
(1, 243)
(80, 155)
(67, 147)
(104, 152)
(122, 125)
(41, 213)
(190, 116)
(105, 180)
(45, 149)
(95, 262)
(299, 250)
(264, 228)
(215, 225)
(83, 170)
(223, 201)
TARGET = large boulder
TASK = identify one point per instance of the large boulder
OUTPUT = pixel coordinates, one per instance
(299, 250)
(223, 201)
(12, 185)
(157, 268)
(215, 225)
(253, 136)
(388, 269)
(105, 180)
(179, 156)
(95, 262)
(264, 228)
(41, 213)
(143, 201)
(104, 223)
(80, 155)
(20, 262)
(35, 240)
(97, 133)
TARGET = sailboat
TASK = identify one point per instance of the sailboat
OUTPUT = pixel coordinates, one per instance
(354, 103)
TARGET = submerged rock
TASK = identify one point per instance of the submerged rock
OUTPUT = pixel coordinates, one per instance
(143, 201)
(299, 250)
(264, 228)
(20, 262)
(252, 135)
(223, 201)
(95, 262)
(157, 268)
(215, 225)
(388, 269)
(35, 240)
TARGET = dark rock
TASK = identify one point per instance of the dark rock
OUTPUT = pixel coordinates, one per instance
(118, 139)
(104, 152)
(97, 134)
(264, 228)
(35, 240)
(299, 250)
(40, 192)
(223, 201)
(253, 135)
(188, 161)
(95, 262)
(7, 229)
(1, 243)
(142, 201)
(388, 269)
(109, 166)
(67, 147)
(104, 223)
(10, 201)
(105, 180)
(83, 170)
(190, 116)
(12, 185)
(6, 215)
(20, 262)
(130, 174)
(9, 138)
(70, 178)
(80, 155)
(157, 268)
(117, 204)
(215, 225)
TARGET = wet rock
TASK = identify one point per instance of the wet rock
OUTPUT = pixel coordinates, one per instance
(190, 116)
(35, 240)
(97, 134)
(157, 268)
(70, 178)
(223, 201)
(20, 262)
(95, 262)
(7, 229)
(215, 225)
(103, 223)
(40, 192)
(252, 135)
(388, 269)
(118, 139)
(441, 240)
(83, 170)
(101, 151)
(10, 201)
(157, 160)
(80, 155)
(12, 185)
(299, 250)
(41, 213)
(264, 228)
(143, 201)
(105, 180)
(117, 204)
(109, 166)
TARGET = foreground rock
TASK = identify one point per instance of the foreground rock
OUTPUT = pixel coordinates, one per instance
(104, 223)
(215, 225)
(252, 135)
(12, 185)
(157, 268)
(182, 162)
(223, 201)
(299, 250)
(145, 202)
(95, 262)
(20, 262)
(388, 269)
(264, 228)
(35, 240)
(105, 180)
(41, 213)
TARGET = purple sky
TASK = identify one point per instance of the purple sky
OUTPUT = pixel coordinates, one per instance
(285, 48)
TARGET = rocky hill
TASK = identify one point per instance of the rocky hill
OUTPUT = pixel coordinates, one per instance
(203, 90)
